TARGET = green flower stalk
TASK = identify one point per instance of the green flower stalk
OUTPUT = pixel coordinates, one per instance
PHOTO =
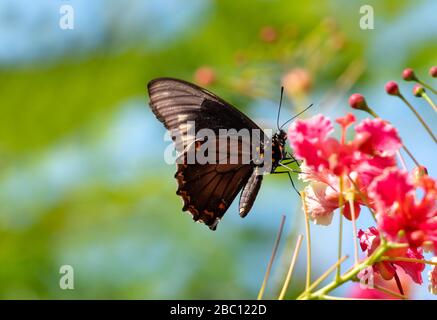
(392, 88)
(420, 92)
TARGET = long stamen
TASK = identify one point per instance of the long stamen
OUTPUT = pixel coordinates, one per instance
(291, 268)
(272, 258)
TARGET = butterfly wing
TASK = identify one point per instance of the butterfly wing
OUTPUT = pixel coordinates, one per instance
(206, 189)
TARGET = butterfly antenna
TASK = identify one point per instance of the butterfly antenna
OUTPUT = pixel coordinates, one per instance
(279, 109)
(297, 115)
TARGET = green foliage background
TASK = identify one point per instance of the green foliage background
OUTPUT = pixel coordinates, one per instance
(126, 237)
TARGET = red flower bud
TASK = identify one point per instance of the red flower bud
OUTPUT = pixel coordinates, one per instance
(418, 90)
(408, 75)
(204, 76)
(419, 172)
(268, 34)
(357, 101)
(433, 72)
(392, 88)
(297, 82)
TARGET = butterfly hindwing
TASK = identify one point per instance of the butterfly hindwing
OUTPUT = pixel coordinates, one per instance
(208, 190)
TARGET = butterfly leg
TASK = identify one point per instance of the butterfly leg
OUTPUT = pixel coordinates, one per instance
(292, 183)
(285, 164)
(289, 159)
(289, 156)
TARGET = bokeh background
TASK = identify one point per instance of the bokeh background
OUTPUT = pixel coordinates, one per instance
(82, 176)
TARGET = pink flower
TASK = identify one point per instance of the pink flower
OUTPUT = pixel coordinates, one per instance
(322, 199)
(377, 137)
(309, 139)
(326, 159)
(357, 291)
(375, 143)
(432, 277)
(320, 203)
(401, 215)
(370, 240)
(368, 294)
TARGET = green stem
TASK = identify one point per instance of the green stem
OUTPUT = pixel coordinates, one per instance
(428, 99)
(411, 155)
(428, 129)
(323, 276)
(427, 86)
(350, 275)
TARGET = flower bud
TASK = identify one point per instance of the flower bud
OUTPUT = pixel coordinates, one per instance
(357, 101)
(204, 76)
(419, 172)
(408, 74)
(297, 82)
(392, 88)
(433, 72)
(418, 90)
(268, 34)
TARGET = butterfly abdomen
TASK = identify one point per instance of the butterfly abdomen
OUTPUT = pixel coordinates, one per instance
(249, 193)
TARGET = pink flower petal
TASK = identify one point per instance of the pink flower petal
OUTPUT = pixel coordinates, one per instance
(319, 205)
(414, 270)
(379, 136)
(390, 188)
(315, 129)
(307, 138)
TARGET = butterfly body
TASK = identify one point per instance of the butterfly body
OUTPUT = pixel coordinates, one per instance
(208, 189)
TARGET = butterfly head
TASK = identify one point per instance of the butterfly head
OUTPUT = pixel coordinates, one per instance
(281, 135)
(278, 145)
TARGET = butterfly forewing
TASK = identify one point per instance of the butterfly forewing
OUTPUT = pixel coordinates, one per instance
(207, 189)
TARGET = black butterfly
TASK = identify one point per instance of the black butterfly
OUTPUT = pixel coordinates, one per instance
(209, 189)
